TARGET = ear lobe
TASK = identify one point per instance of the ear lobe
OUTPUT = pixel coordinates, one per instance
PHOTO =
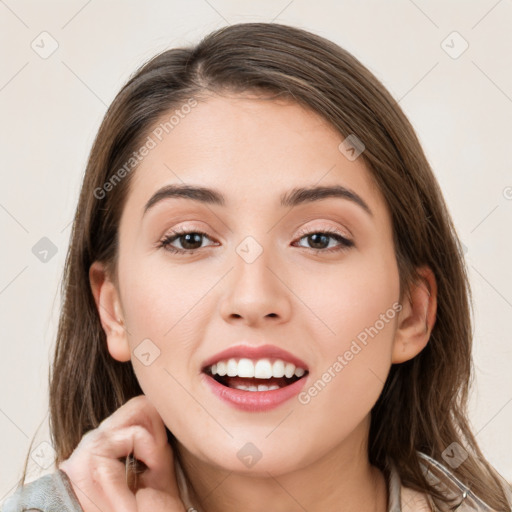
(417, 317)
(109, 309)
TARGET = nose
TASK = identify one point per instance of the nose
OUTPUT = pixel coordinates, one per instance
(255, 292)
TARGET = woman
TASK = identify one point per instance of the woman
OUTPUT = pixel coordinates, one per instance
(265, 300)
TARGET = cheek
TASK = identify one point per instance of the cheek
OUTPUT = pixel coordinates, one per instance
(358, 307)
(159, 301)
(165, 312)
(350, 297)
(163, 324)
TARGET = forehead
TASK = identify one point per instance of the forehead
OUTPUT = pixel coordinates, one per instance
(251, 147)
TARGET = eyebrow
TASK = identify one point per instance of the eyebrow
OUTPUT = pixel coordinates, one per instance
(294, 197)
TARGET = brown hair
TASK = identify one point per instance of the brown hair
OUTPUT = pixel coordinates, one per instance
(424, 400)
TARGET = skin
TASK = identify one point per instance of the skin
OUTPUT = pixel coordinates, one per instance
(309, 302)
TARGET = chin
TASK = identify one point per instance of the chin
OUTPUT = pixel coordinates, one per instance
(256, 458)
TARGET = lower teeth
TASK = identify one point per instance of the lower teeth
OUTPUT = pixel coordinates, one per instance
(260, 387)
(251, 385)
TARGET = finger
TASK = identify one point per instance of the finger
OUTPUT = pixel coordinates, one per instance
(135, 428)
(161, 476)
(96, 489)
(155, 452)
(105, 476)
(159, 461)
(149, 500)
(115, 495)
(138, 411)
(119, 443)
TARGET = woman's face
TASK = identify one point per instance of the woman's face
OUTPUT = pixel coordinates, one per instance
(265, 274)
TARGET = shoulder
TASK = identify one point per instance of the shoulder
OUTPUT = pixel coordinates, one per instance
(405, 499)
(415, 501)
(49, 493)
(402, 498)
(443, 479)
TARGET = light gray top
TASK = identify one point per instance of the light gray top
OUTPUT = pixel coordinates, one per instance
(54, 493)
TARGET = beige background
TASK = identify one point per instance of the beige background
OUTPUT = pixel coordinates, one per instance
(51, 108)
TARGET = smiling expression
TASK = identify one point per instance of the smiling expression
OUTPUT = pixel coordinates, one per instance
(263, 264)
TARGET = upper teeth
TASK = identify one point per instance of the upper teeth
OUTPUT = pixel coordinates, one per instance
(260, 369)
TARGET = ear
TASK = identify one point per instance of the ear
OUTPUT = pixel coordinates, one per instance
(109, 308)
(417, 317)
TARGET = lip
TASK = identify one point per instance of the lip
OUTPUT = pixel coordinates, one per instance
(254, 401)
(255, 352)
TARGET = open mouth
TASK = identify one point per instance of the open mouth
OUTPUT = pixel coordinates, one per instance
(257, 384)
(262, 375)
(254, 384)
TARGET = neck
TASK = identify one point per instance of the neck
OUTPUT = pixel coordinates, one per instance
(342, 480)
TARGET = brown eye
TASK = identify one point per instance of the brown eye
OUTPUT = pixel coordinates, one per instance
(190, 241)
(320, 240)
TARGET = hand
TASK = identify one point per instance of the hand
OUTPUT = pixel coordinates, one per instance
(98, 476)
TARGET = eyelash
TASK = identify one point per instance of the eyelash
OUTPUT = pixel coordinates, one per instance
(175, 234)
